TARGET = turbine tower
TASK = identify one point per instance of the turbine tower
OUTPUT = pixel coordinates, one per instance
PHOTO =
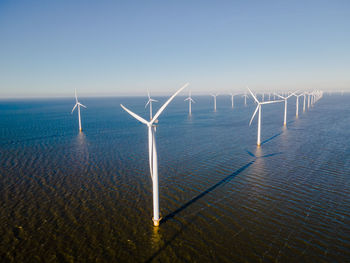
(232, 95)
(285, 107)
(78, 104)
(150, 100)
(152, 150)
(214, 96)
(258, 108)
(190, 100)
(245, 98)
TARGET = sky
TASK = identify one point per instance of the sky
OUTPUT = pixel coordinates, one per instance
(121, 48)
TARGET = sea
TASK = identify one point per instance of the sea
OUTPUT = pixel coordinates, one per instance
(70, 196)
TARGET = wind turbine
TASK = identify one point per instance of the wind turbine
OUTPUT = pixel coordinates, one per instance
(150, 104)
(245, 98)
(214, 96)
(78, 104)
(304, 102)
(285, 107)
(190, 100)
(258, 108)
(297, 103)
(152, 151)
(232, 95)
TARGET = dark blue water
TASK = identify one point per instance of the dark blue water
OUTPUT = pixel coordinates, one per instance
(68, 196)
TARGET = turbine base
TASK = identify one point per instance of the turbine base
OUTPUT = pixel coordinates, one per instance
(156, 222)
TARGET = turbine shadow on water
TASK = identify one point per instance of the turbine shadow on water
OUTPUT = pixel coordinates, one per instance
(225, 180)
(183, 227)
(271, 138)
(212, 188)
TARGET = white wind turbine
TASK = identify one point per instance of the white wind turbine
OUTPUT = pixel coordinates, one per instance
(190, 100)
(152, 151)
(150, 104)
(258, 108)
(214, 96)
(304, 102)
(297, 103)
(78, 104)
(285, 107)
(232, 95)
(245, 98)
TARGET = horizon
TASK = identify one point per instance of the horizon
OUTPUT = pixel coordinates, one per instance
(164, 94)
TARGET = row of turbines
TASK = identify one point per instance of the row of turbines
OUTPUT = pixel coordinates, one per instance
(312, 97)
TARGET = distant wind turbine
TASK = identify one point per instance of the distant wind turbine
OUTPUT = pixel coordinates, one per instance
(232, 95)
(245, 98)
(297, 103)
(258, 108)
(78, 104)
(153, 161)
(190, 100)
(214, 96)
(150, 100)
(285, 107)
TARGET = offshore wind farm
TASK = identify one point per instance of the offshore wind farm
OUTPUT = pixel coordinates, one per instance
(147, 132)
(88, 195)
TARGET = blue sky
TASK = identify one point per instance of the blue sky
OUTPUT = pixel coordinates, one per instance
(48, 48)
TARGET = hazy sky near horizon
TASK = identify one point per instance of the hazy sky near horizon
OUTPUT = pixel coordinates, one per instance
(48, 48)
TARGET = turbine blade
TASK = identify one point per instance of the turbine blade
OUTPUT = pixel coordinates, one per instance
(166, 103)
(82, 105)
(149, 97)
(271, 101)
(253, 96)
(147, 103)
(137, 117)
(256, 110)
(280, 96)
(74, 107)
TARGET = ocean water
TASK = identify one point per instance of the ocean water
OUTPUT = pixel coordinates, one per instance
(87, 197)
